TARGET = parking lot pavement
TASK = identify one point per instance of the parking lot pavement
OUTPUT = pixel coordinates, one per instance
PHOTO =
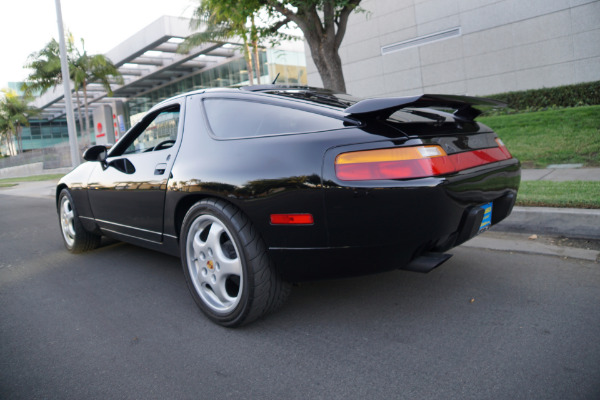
(118, 322)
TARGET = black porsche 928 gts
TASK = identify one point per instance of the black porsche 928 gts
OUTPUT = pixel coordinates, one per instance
(260, 186)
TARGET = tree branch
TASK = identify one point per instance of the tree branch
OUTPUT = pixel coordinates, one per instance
(343, 21)
(290, 15)
(275, 27)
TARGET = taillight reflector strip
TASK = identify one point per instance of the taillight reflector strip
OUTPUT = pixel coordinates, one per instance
(411, 162)
(292, 219)
(384, 155)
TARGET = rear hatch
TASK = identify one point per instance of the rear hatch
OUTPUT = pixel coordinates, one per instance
(423, 141)
(427, 177)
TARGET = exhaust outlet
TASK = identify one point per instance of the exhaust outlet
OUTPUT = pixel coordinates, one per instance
(426, 262)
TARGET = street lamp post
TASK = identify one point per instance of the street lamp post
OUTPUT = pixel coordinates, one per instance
(64, 66)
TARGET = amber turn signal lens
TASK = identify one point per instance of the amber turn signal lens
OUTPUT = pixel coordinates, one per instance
(383, 155)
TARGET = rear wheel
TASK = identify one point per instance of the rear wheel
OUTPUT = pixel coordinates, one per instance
(226, 265)
(75, 237)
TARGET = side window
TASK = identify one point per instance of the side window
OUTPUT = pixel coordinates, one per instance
(162, 131)
(239, 118)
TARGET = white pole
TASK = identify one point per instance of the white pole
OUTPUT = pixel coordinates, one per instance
(75, 160)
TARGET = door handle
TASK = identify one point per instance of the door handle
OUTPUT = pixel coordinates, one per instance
(160, 169)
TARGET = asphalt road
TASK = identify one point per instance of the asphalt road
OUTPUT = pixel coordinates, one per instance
(119, 323)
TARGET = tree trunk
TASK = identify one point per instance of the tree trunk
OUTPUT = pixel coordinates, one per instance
(248, 58)
(87, 117)
(323, 40)
(11, 145)
(254, 37)
(79, 112)
(257, 60)
(8, 144)
(19, 138)
(328, 63)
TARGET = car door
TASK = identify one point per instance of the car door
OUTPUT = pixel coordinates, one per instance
(127, 195)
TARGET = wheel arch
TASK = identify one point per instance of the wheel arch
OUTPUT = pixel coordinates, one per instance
(59, 189)
(185, 203)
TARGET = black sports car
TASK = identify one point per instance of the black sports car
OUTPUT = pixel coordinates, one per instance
(260, 186)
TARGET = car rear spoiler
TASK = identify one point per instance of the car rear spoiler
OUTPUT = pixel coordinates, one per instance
(384, 107)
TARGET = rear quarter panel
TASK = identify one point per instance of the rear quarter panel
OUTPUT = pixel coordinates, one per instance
(261, 176)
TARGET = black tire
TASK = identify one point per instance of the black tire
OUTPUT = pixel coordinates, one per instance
(75, 237)
(226, 265)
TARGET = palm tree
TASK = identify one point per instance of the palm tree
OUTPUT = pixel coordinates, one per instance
(15, 113)
(83, 69)
(92, 68)
(47, 71)
(226, 19)
(5, 132)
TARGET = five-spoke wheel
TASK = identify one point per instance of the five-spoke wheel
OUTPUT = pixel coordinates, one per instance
(226, 265)
(214, 265)
(74, 235)
(67, 216)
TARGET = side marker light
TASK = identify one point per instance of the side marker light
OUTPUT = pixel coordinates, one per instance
(292, 219)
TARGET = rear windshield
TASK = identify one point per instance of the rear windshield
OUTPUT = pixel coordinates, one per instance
(229, 119)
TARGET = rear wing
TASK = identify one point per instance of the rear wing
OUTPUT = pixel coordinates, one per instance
(464, 106)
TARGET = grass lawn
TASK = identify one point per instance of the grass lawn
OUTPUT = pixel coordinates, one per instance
(565, 136)
(575, 194)
(8, 182)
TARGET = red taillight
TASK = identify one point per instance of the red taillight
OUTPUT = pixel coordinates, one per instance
(411, 162)
(292, 219)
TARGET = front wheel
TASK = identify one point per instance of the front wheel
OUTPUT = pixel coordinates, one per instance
(226, 265)
(75, 237)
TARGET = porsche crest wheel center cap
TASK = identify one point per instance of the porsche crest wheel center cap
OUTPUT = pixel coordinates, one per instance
(210, 265)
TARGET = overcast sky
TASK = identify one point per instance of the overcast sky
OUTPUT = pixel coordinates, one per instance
(27, 25)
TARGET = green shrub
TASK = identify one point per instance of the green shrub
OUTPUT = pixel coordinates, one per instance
(582, 94)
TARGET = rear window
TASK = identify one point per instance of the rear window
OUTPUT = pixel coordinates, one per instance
(230, 119)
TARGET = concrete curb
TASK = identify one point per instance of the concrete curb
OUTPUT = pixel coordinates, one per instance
(569, 222)
(520, 245)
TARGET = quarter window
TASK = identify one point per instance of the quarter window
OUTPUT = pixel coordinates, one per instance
(237, 118)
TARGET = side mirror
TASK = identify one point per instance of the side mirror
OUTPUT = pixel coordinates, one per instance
(96, 153)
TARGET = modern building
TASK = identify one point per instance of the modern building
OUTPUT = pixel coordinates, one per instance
(153, 70)
(474, 47)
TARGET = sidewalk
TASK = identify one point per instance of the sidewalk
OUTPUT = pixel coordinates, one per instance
(542, 245)
(561, 173)
(569, 222)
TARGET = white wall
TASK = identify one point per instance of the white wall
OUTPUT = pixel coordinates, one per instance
(503, 45)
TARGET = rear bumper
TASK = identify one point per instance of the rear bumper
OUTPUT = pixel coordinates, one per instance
(373, 229)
